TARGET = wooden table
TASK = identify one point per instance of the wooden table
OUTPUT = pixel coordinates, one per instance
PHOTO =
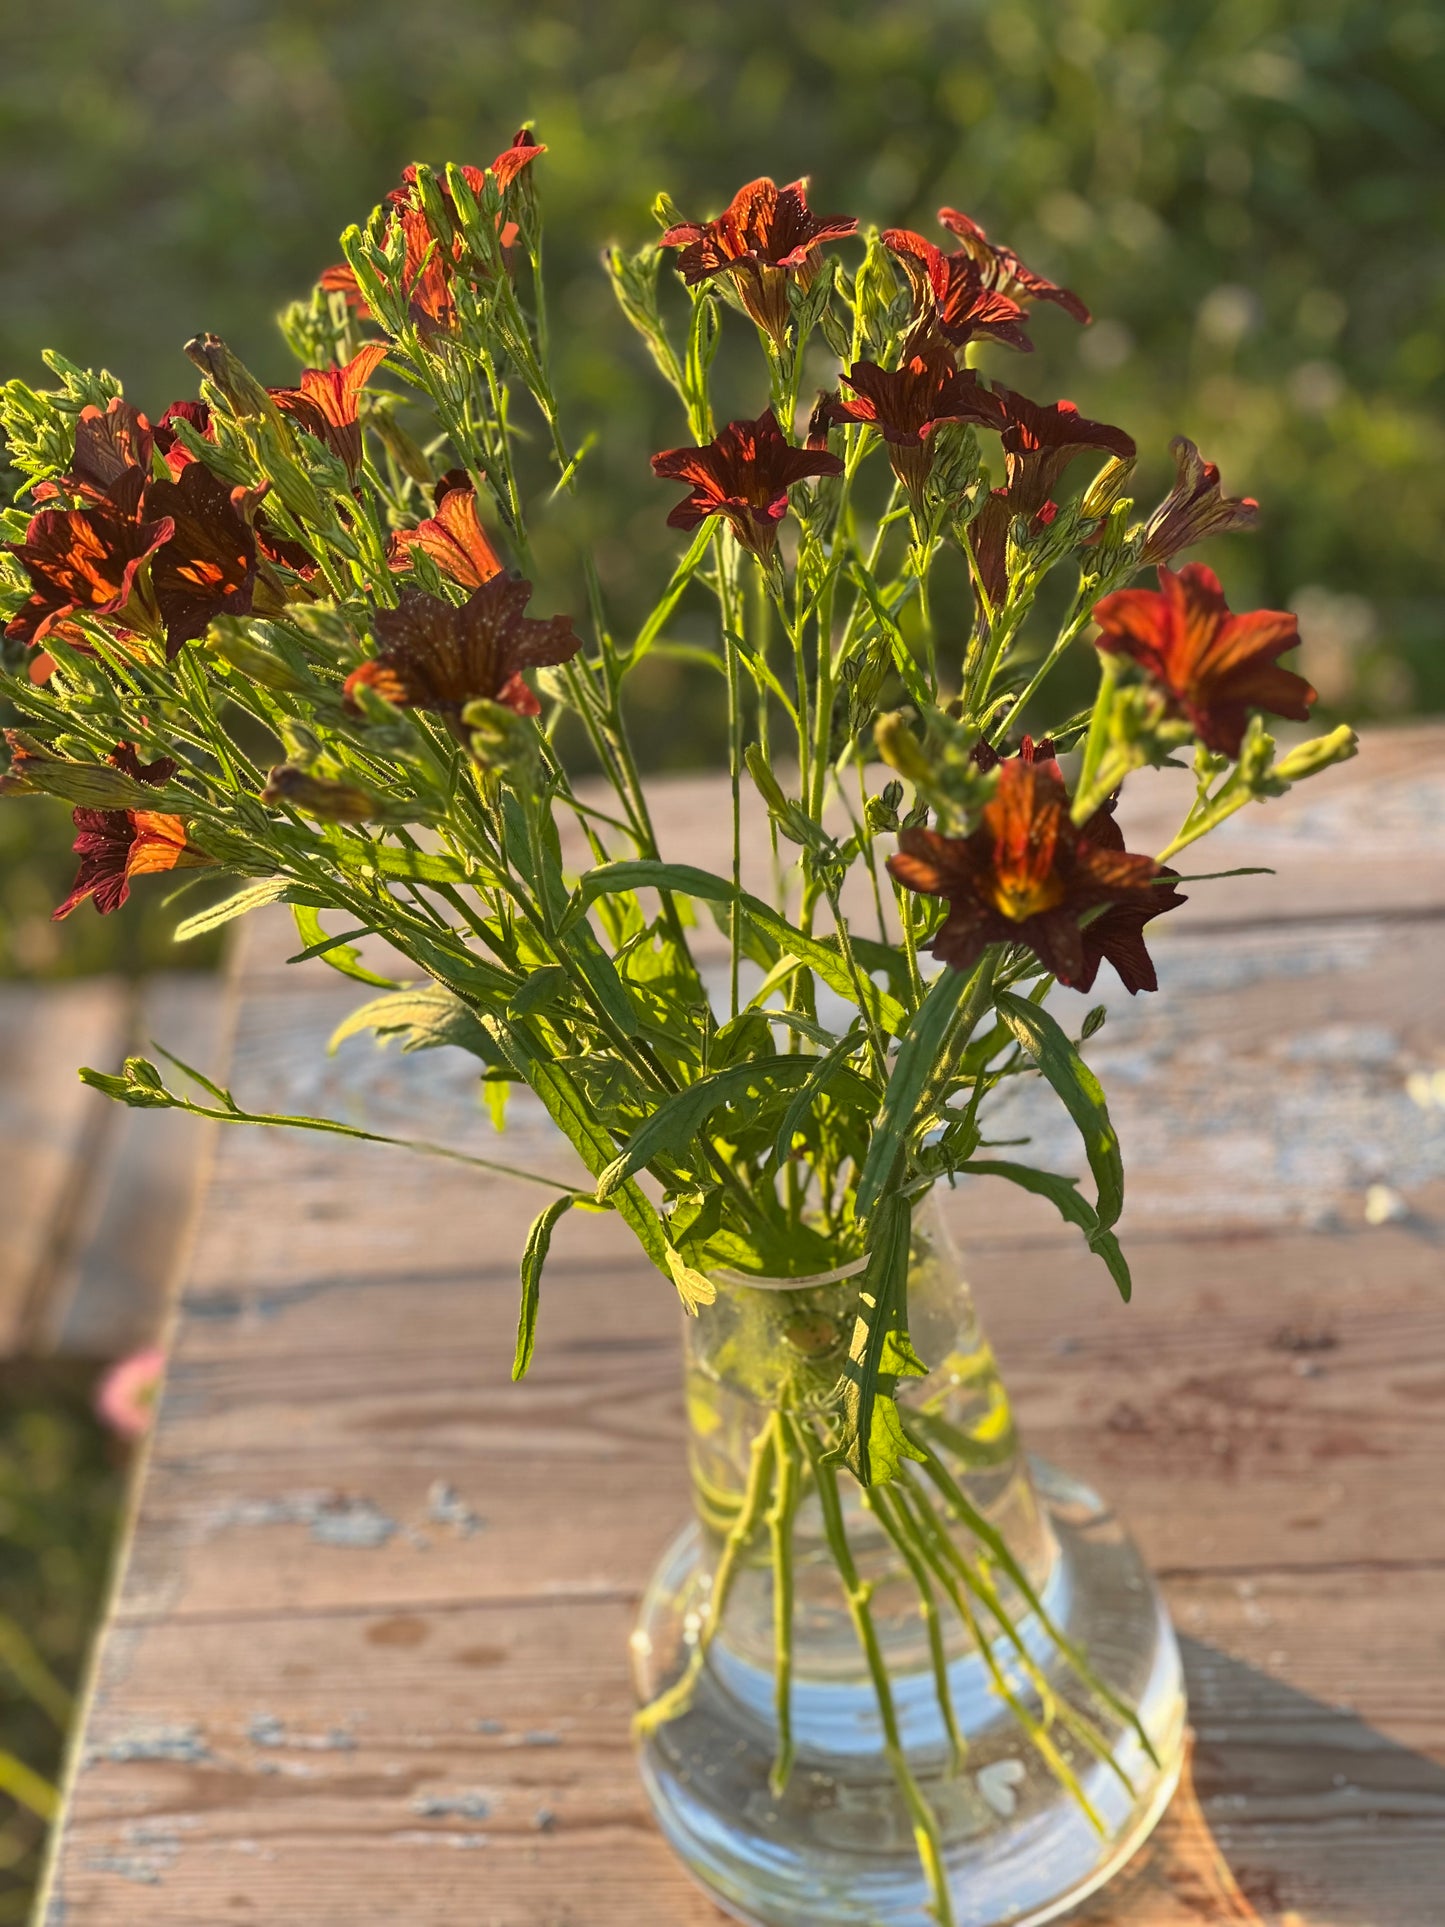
(366, 1662)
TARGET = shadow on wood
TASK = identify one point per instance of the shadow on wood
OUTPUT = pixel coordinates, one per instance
(1287, 1812)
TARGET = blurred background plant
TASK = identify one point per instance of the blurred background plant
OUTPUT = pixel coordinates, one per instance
(1250, 195)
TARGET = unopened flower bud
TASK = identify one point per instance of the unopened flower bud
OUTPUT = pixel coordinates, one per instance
(1307, 759)
(1107, 487)
(336, 802)
(900, 748)
(501, 740)
(231, 376)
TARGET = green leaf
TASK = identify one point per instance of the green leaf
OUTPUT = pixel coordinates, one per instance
(255, 896)
(336, 951)
(819, 1076)
(873, 1443)
(534, 1257)
(569, 1110)
(24, 1786)
(676, 1122)
(816, 952)
(917, 1056)
(429, 1016)
(642, 873)
(1039, 1034)
(540, 988)
(1063, 1194)
(402, 865)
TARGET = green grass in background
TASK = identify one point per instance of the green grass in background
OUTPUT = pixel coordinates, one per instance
(1250, 194)
(61, 1485)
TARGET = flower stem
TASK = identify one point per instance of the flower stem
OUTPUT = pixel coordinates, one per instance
(781, 1514)
(858, 1595)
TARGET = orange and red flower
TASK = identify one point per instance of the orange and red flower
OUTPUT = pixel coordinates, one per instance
(208, 567)
(432, 262)
(116, 845)
(453, 537)
(328, 402)
(764, 234)
(433, 655)
(1194, 508)
(1002, 269)
(107, 447)
(1027, 875)
(908, 403)
(174, 453)
(1213, 667)
(87, 561)
(743, 475)
(952, 295)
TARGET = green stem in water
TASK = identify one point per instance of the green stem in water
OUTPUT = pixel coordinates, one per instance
(858, 1596)
(896, 1523)
(781, 1514)
(678, 1696)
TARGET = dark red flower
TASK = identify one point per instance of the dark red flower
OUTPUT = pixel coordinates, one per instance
(952, 295)
(1039, 442)
(765, 234)
(745, 475)
(1194, 508)
(434, 655)
(906, 404)
(454, 537)
(107, 447)
(1213, 667)
(328, 403)
(1027, 875)
(174, 452)
(86, 561)
(115, 845)
(208, 567)
(1003, 270)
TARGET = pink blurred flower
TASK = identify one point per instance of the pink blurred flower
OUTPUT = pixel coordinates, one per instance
(126, 1397)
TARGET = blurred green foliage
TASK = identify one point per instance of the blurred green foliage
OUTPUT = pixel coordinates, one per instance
(61, 1486)
(1250, 194)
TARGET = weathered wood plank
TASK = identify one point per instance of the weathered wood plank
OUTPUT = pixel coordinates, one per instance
(368, 1661)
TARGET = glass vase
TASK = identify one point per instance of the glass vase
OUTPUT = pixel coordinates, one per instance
(955, 1698)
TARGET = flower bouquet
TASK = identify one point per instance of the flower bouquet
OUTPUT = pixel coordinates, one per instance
(891, 1672)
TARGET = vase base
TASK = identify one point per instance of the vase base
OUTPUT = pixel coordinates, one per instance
(836, 1849)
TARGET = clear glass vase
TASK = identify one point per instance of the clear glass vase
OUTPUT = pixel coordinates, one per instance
(976, 1717)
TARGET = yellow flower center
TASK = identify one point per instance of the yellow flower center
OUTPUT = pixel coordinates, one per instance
(1021, 896)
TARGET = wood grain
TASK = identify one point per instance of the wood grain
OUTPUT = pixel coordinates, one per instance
(367, 1662)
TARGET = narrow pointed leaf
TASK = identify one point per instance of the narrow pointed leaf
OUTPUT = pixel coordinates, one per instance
(1040, 1035)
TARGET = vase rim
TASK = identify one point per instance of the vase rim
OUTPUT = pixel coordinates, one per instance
(834, 1277)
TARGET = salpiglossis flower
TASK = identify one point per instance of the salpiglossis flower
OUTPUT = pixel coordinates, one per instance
(116, 845)
(1194, 508)
(743, 475)
(1214, 667)
(951, 295)
(173, 451)
(435, 655)
(764, 235)
(208, 567)
(1002, 269)
(107, 447)
(453, 537)
(88, 561)
(1039, 441)
(328, 402)
(1028, 874)
(906, 404)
